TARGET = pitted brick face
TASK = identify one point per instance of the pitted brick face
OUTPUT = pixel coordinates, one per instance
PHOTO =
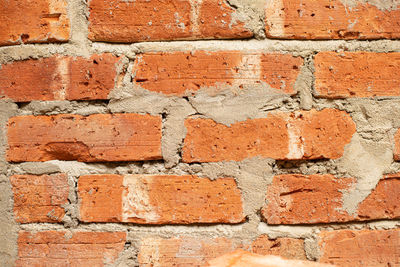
(37, 21)
(159, 199)
(330, 19)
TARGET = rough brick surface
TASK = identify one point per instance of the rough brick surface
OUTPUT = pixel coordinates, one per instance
(330, 19)
(182, 251)
(52, 248)
(300, 135)
(159, 199)
(178, 72)
(288, 248)
(59, 78)
(36, 21)
(360, 248)
(39, 198)
(357, 74)
(122, 21)
(301, 199)
(396, 152)
(99, 137)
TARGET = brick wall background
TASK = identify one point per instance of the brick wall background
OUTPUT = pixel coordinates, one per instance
(169, 132)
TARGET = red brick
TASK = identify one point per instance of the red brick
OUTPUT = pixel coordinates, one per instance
(300, 135)
(396, 152)
(144, 20)
(98, 137)
(35, 21)
(182, 251)
(59, 78)
(241, 258)
(159, 199)
(303, 199)
(360, 248)
(52, 248)
(289, 248)
(39, 198)
(357, 74)
(330, 19)
(179, 73)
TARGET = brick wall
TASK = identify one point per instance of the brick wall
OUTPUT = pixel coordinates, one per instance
(170, 132)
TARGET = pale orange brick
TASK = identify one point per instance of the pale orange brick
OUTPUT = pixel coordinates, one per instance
(98, 137)
(39, 198)
(52, 248)
(59, 78)
(159, 199)
(357, 74)
(289, 248)
(360, 248)
(330, 19)
(156, 20)
(304, 199)
(299, 135)
(183, 251)
(182, 73)
(35, 21)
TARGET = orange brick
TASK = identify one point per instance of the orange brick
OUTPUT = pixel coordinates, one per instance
(303, 199)
(179, 73)
(98, 137)
(360, 248)
(300, 135)
(36, 21)
(52, 248)
(39, 198)
(144, 20)
(59, 78)
(182, 251)
(396, 152)
(330, 19)
(357, 74)
(289, 248)
(159, 199)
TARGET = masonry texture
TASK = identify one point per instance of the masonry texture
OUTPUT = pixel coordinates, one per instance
(172, 132)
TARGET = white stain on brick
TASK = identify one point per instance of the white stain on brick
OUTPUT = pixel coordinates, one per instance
(136, 201)
(274, 17)
(61, 78)
(248, 70)
(295, 147)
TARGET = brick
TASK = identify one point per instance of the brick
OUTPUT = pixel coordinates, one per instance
(36, 21)
(304, 199)
(289, 248)
(94, 138)
(330, 19)
(396, 152)
(241, 258)
(59, 78)
(39, 198)
(299, 135)
(159, 199)
(357, 74)
(156, 20)
(53, 248)
(360, 248)
(179, 73)
(182, 251)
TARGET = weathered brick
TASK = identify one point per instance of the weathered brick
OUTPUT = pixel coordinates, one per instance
(396, 152)
(243, 258)
(360, 248)
(36, 21)
(357, 74)
(144, 20)
(299, 135)
(39, 198)
(52, 248)
(183, 251)
(330, 19)
(303, 199)
(98, 137)
(159, 199)
(289, 248)
(179, 73)
(59, 78)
